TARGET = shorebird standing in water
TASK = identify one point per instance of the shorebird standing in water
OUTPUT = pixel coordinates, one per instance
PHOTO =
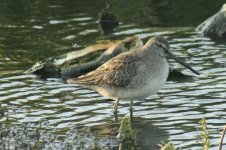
(132, 75)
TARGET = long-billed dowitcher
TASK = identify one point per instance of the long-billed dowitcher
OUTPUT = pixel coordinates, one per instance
(132, 75)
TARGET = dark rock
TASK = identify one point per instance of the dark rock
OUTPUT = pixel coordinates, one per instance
(107, 20)
(215, 26)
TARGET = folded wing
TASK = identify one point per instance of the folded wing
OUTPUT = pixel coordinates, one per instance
(118, 71)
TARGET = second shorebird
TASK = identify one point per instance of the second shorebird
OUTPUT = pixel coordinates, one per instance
(132, 75)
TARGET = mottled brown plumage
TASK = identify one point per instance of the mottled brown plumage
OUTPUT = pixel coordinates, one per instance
(117, 72)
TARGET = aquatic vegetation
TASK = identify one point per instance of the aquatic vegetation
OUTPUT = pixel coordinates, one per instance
(204, 134)
(168, 146)
(126, 132)
(41, 135)
(222, 138)
(27, 137)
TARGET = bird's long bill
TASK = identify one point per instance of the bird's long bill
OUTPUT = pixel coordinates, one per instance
(183, 63)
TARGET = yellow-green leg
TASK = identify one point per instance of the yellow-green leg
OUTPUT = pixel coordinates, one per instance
(115, 110)
(115, 107)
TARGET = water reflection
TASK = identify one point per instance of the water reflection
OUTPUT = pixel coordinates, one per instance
(174, 112)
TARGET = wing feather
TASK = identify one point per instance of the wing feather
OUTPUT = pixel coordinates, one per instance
(118, 71)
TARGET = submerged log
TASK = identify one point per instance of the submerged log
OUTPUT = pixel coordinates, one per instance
(215, 26)
(51, 67)
(68, 65)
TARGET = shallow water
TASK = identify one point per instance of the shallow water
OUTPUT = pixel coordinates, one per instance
(174, 112)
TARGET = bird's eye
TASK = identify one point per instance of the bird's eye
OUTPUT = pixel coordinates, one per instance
(160, 45)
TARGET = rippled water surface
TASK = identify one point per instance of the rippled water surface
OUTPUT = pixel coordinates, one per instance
(174, 112)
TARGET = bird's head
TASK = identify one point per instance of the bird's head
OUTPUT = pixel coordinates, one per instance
(161, 47)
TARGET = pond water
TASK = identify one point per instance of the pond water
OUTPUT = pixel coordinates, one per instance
(32, 31)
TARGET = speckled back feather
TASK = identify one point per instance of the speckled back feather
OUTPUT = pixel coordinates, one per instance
(117, 72)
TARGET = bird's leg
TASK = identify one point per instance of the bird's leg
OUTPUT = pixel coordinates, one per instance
(115, 110)
(115, 107)
(131, 110)
(115, 117)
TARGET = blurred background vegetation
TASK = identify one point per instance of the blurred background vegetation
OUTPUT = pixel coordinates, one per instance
(144, 12)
